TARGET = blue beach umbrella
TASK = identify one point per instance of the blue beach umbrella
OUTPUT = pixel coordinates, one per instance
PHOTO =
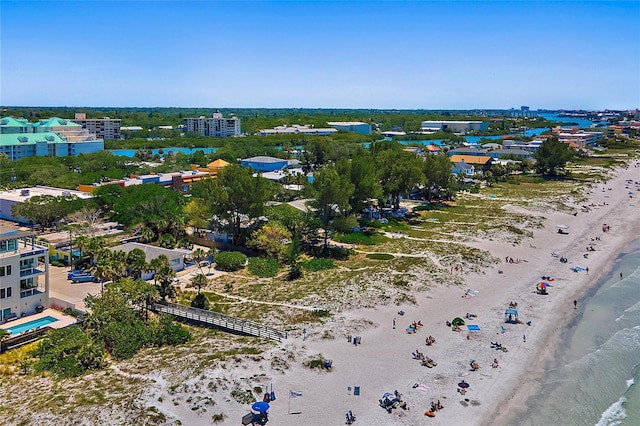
(260, 406)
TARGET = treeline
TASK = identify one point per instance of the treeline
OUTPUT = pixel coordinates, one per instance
(254, 119)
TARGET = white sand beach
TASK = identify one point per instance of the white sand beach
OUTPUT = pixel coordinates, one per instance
(383, 362)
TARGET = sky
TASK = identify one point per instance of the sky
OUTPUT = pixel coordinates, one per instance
(321, 54)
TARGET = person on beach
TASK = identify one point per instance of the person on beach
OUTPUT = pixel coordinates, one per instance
(620, 275)
(524, 337)
(575, 304)
(394, 323)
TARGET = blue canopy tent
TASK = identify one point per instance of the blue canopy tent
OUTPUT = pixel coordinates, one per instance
(511, 316)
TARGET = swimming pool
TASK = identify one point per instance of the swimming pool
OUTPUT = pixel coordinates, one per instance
(40, 322)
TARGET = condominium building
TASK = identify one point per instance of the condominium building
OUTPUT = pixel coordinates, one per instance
(215, 126)
(103, 128)
(54, 137)
(24, 275)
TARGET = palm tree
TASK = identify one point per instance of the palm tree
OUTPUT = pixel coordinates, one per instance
(156, 264)
(81, 242)
(198, 256)
(164, 276)
(211, 254)
(103, 271)
(136, 262)
(147, 235)
(200, 281)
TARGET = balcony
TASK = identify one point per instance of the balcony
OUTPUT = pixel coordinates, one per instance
(31, 271)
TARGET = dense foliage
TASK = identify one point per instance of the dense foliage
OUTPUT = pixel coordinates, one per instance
(552, 156)
(263, 267)
(230, 261)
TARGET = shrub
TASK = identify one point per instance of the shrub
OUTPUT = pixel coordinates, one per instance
(168, 332)
(380, 256)
(263, 267)
(318, 264)
(68, 352)
(231, 260)
(200, 302)
(295, 271)
(69, 311)
(123, 339)
(56, 263)
(344, 224)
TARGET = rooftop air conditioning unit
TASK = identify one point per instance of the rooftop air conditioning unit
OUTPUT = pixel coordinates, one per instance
(66, 193)
(24, 192)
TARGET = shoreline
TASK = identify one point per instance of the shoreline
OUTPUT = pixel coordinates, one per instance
(554, 337)
(524, 364)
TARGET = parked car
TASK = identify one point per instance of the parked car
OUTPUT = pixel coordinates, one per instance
(84, 278)
(75, 272)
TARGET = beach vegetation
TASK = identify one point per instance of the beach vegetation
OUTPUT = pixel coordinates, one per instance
(318, 264)
(263, 267)
(380, 256)
(367, 238)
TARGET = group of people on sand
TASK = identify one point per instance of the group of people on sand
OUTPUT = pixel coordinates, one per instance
(436, 406)
(429, 340)
(510, 260)
(414, 327)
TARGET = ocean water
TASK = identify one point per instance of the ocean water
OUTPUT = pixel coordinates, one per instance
(595, 376)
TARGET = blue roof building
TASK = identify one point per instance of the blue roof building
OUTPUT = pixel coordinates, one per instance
(265, 164)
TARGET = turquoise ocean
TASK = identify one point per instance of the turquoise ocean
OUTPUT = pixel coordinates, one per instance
(594, 378)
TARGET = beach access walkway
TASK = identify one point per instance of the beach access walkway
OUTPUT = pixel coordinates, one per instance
(220, 321)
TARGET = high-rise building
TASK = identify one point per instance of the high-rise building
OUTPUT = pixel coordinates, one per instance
(215, 126)
(104, 128)
(24, 275)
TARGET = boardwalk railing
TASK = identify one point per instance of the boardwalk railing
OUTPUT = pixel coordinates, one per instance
(23, 338)
(221, 321)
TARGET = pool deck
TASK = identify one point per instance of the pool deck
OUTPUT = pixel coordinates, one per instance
(63, 320)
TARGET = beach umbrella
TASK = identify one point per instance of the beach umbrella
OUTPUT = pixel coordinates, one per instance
(542, 286)
(563, 226)
(260, 406)
(457, 321)
(463, 384)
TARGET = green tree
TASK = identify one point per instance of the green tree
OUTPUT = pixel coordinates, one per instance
(235, 195)
(47, 210)
(438, 176)
(551, 156)
(331, 193)
(271, 238)
(399, 172)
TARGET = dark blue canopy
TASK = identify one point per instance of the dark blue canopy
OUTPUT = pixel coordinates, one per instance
(260, 406)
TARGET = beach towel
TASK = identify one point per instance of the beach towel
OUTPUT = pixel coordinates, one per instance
(421, 387)
(473, 327)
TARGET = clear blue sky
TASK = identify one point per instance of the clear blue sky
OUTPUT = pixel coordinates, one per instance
(360, 54)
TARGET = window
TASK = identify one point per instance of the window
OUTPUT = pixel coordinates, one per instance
(5, 270)
(5, 293)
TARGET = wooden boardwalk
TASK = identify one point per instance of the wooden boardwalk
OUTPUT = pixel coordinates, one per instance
(223, 322)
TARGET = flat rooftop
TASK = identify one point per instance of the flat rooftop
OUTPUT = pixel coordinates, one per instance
(16, 194)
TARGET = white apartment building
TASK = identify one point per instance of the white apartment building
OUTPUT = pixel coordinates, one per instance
(298, 129)
(454, 126)
(24, 275)
(215, 126)
(104, 128)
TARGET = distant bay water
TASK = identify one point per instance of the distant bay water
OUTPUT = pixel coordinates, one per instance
(473, 140)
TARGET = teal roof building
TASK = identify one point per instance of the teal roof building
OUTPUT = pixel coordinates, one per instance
(54, 137)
